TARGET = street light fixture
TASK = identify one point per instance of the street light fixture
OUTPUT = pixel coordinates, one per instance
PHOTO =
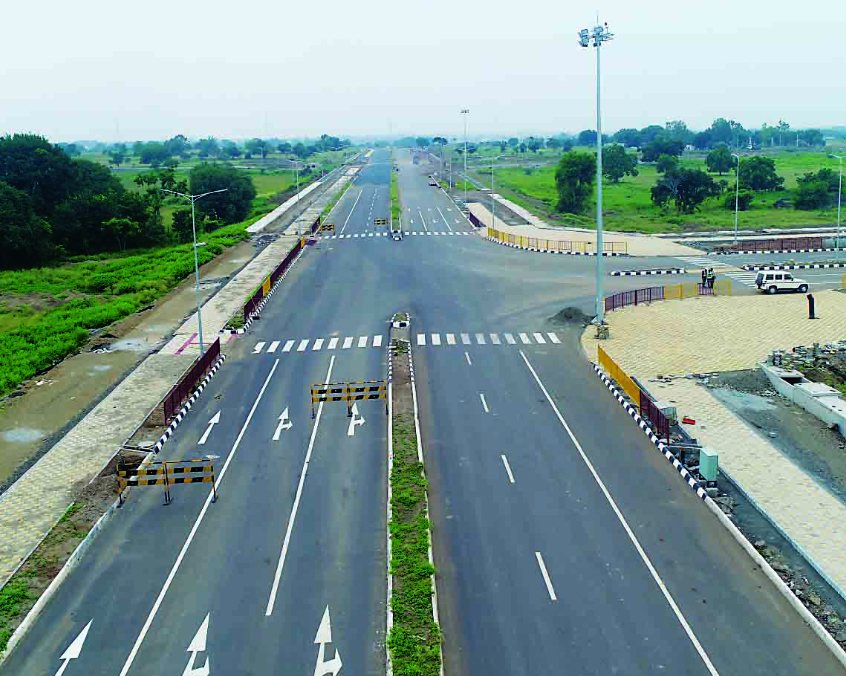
(194, 198)
(736, 194)
(599, 35)
(465, 112)
(839, 192)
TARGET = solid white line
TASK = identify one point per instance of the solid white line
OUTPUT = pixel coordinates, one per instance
(423, 219)
(351, 210)
(484, 403)
(469, 363)
(303, 345)
(362, 341)
(377, 341)
(288, 345)
(333, 342)
(196, 526)
(626, 527)
(318, 344)
(446, 223)
(508, 469)
(272, 600)
(273, 346)
(545, 575)
(347, 343)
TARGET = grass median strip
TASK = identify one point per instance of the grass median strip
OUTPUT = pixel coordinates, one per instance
(415, 639)
(396, 209)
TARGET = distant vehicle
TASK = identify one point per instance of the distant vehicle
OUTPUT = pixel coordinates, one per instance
(772, 282)
(396, 235)
(433, 183)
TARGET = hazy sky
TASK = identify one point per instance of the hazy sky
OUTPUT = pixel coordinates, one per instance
(93, 69)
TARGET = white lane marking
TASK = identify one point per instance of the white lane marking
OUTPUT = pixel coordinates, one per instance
(450, 338)
(318, 344)
(553, 337)
(495, 339)
(333, 343)
(508, 468)
(284, 424)
(158, 602)
(525, 338)
(467, 355)
(629, 532)
(423, 219)
(356, 420)
(303, 345)
(484, 403)
(259, 347)
(545, 574)
(273, 347)
(288, 345)
(212, 422)
(324, 636)
(74, 649)
(480, 339)
(436, 339)
(377, 341)
(421, 338)
(287, 541)
(446, 222)
(351, 210)
(198, 645)
(362, 341)
(539, 338)
(465, 338)
(347, 343)
(510, 339)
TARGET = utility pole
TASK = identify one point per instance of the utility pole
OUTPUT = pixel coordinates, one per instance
(599, 35)
(194, 198)
(465, 112)
(736, 195)
(839, 193)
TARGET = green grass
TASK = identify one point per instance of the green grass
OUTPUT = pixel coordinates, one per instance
(459, 186)
(90, 294)
(627, 204)
(414, 640)
(12, 597)
(337, 198)
(396, 208)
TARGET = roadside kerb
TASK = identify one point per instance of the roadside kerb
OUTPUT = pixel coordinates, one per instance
(759, 560)
(639, 273)
(793, 266)
(667, 292)
(770, 251)
(609, 248)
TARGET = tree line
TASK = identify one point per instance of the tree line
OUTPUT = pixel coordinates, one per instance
(53, 206)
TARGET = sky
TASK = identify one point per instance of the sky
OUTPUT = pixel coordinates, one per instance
(117, 71)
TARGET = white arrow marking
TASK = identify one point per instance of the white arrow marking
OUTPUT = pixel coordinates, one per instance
(355, 421)
(284, 424)
(75, 648)
(198, 645)
(214, 420)
(324, 636)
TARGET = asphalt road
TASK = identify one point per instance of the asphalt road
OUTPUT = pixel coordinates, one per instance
(596, 559)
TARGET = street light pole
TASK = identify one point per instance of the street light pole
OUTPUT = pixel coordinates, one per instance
(736, 194)
(465, 112)
(194, 198)
(493, 205)
(599, 35)
(839, 193)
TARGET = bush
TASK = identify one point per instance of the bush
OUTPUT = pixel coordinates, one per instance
(744, 199)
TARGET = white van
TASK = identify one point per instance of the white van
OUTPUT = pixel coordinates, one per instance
(771, 282)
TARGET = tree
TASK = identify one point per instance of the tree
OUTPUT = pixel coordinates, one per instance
(630, 138)
(811, 195)
(523, 148)
(654, 149)
(24, 236)
(117, 158)
(676, 130)
(176, 145)
(231, 150)
(231, 206)
(502, 146)
(554, 143)
(687, 188)
(44, 172)
(758, 173)
(812, 137)
(744, 199)
(828, 176)
(284, 147)
(534, 144)
(514, 142)
(181, 227)
(122, 229)
(423, 142)
(702, 140)
(208, 147)
(783, 128)
(616, 163)
(666, 163)
(587, 137)
(719, 160)
(257, 146)
(574, 178)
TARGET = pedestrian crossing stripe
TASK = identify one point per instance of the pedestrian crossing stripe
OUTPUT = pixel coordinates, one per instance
(702, 262)
(422, 340)
(364, 235)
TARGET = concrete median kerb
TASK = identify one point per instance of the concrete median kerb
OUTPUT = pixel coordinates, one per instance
(793, 266)
(759, 560)
(768, 251)
(552, 251)
(640, 273)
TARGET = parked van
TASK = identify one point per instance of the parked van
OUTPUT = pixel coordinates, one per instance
(773, 281)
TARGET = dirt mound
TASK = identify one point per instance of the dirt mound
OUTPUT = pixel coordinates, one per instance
(571, 315)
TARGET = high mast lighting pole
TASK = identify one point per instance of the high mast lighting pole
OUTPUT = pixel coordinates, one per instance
(465, 112)
(599, 35)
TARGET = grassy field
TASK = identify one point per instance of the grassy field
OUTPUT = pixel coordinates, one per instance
(627, 204)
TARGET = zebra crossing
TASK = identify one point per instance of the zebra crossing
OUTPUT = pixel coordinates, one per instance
(363, 235)
(303, 345)
(730, 271)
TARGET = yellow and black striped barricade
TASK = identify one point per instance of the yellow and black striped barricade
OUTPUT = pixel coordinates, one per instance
(167, 473)
(366, 389)
(327, 227)
(380, 221)
(327, 392)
